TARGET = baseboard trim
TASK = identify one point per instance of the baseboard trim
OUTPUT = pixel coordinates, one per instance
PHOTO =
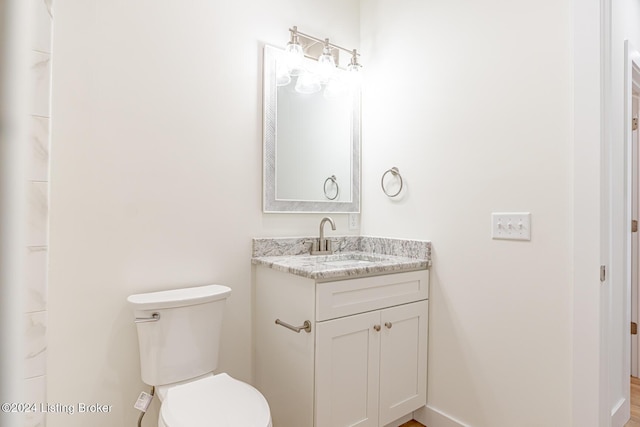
(620, 413)
(433, 417)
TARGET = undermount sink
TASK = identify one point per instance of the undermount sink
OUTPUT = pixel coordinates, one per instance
(344, 259)
(342, 263)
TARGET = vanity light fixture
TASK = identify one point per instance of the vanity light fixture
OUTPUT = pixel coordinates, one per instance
(354, 66)
(326, 63)
(355, 76)
(309, 81)
(294, 53)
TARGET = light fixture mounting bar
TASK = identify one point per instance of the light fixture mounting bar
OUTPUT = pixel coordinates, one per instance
(350, 51)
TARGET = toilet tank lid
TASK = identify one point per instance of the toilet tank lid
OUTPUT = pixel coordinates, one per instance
(178, 297)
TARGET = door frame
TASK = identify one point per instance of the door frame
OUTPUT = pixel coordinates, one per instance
(635, 199)
(631, 79)
(619, 379)
(591, 228)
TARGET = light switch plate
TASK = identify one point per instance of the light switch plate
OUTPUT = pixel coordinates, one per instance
(511, 225)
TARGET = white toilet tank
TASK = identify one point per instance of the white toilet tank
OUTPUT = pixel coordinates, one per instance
(179, 332)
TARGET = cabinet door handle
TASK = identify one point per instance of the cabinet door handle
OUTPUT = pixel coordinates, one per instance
(388, 325)
(376, 328)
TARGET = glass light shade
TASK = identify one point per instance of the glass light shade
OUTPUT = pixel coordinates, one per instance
(308, 83)
(283, 79)
(294, 56)
(326, 65)
(354, 68)
(355, 74)
(282, 74)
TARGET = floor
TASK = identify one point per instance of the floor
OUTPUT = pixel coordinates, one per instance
(414, 423)
(635, 407)
(635, 403)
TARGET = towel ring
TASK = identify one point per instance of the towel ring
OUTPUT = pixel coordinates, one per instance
(332, 178)
(395, 172)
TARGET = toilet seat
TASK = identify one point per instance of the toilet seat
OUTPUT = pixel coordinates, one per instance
(214, 401)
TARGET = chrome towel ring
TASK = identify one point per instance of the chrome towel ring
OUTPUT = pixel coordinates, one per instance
(396, 173)
(333, 179)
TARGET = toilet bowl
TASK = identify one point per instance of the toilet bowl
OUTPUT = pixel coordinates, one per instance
(214, 401)
(179, 339)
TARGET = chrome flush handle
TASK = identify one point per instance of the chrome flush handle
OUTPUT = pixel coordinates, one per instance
(154, 318)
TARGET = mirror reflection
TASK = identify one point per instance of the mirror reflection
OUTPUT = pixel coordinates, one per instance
(313, 144)
(312, 138)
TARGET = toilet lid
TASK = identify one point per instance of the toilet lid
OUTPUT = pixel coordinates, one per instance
(217, 401)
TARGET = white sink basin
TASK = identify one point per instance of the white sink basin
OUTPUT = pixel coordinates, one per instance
(344, 262)
(347, 259)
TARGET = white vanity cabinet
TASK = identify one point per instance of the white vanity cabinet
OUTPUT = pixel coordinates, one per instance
(364, 362)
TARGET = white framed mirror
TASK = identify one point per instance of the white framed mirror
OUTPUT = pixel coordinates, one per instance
(311, 157)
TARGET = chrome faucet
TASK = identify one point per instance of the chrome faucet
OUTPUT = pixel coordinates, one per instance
(323, 246)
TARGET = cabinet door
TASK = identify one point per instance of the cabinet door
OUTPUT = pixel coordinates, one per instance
(347, 369)
(403, 360)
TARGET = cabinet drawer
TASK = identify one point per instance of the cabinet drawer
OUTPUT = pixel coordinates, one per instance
(346, 297)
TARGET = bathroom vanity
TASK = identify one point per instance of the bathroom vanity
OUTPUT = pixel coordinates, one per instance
(341, 340)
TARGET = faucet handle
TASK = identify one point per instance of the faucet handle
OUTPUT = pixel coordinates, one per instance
(314, 245)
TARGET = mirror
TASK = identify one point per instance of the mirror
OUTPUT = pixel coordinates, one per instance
(311, 142)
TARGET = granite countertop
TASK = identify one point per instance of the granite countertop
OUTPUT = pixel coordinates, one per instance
(359, 256)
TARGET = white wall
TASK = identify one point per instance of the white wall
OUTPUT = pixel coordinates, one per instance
(156, 183)
(473, 103)
(156, 175)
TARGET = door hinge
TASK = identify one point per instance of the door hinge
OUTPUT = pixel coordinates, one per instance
(634, 328)
(634, 225)
(634, 123)
(603, 273)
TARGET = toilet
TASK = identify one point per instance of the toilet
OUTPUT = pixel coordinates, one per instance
(179, 338)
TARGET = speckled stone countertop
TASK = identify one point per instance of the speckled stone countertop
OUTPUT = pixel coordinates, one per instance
(354, 256)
